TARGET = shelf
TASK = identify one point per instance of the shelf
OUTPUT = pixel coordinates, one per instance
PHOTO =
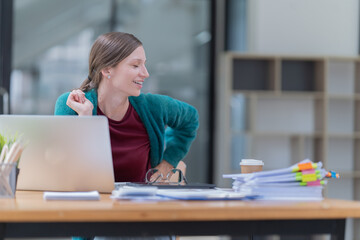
(288, 94)
(340, 116)
(340, 188)
(291, 108)
(253, 74)
(262, 147)
(300, 94)
(239, 55)
(357, 96)
(357, 135)
(301, 75)
(342, 96)
(357, 116)
(239, 108)
(295, 94)
(341, 77)
(349, 174)
(340, 154)
(278, 134)
(249, 93)
(341, 135)
(269, 115)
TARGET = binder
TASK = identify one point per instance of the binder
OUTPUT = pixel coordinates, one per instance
(164, 185)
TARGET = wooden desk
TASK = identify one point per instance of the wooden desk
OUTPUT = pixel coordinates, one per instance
(28, 215)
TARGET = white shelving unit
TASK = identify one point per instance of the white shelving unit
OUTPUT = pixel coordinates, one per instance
(282, 109)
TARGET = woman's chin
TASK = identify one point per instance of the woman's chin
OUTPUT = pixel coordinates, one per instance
(136, 94)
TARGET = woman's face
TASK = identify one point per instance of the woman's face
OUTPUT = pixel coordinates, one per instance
(128, 76)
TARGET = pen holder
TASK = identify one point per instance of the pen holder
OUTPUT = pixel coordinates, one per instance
(8, 179)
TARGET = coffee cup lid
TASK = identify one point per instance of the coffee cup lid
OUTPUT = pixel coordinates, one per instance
(251, 162)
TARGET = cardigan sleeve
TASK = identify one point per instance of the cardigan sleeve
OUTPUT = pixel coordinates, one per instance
(60, 106)
(62, 109)
(182, 122)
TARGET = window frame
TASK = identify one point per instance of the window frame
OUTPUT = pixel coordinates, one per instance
(6, 27)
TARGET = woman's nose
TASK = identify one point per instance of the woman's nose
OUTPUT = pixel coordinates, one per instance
(144, 72)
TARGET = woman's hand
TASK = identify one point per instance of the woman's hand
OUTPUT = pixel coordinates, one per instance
(164, 167)
(79, 103)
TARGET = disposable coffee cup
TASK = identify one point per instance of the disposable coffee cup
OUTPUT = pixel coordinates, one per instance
(251, 165)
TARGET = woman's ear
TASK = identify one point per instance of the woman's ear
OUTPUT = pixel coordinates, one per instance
(106, 72)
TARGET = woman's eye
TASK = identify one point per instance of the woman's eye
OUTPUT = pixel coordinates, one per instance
(135, 66)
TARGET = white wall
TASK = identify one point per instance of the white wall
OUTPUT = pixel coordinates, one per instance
(304, 27)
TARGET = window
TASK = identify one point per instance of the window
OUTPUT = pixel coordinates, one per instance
(52, 40)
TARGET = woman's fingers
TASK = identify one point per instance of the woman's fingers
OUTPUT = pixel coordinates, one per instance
(77, 96)
(79, 103)
(155, 177)
(164, 170)
(73, 96)
(80, 96)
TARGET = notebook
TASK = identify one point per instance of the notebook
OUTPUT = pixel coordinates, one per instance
(62, 153)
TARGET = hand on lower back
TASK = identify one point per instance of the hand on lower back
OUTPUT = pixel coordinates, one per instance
(164, 168)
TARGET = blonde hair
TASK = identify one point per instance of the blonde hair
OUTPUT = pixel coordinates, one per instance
(107, 51)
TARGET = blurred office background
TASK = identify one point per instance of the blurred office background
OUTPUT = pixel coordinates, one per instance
(44, 48)
(52, 39)
(287, 89)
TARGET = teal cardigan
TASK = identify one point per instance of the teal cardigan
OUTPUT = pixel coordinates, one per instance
(171, 124)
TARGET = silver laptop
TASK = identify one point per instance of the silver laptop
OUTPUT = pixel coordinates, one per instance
(62, 153)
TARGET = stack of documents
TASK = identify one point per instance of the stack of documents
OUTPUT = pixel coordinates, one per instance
(156, 194)
(302, 181)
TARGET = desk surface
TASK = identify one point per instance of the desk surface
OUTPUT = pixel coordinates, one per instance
(29, 206)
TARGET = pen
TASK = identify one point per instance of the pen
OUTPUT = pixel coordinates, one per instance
(13, 150)
(4, 151)
(332, 174)
(13, 154)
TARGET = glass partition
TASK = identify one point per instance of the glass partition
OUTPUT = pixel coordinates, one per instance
(52, 40)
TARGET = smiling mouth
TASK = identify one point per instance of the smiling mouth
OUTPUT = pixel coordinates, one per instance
(139, 83)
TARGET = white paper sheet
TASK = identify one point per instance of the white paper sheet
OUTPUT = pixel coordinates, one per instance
(92, 195)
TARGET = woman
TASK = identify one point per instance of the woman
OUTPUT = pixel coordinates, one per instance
(146, 130)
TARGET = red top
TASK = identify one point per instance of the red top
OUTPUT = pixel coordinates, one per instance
(130, 147)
